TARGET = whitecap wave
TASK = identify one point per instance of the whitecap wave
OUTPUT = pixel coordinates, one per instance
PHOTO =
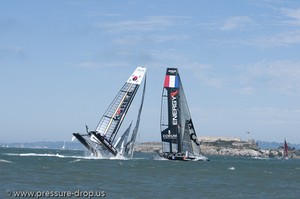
(76, 160)
(119, 157)
(43, 155)
(201, 158)
(260, 158)
(69, 156)
(267, 172)
(159, 158)
(5, 161)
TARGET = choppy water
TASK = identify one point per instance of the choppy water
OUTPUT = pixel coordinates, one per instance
(60, 171)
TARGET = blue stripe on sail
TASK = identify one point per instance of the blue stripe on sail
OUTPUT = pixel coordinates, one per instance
(176, 82)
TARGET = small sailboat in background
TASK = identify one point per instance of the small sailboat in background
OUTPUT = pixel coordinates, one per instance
(102, 141)
(285, 150)
(64, 146)
(178, 135)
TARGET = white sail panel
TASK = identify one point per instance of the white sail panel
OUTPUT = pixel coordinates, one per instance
(137, 76)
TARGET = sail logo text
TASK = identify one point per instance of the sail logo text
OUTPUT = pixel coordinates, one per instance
(170, 136)
(173, 71)
(174, 110)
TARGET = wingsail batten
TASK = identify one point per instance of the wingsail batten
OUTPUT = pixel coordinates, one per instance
(179, 140)
(113, 118)
(111, 121)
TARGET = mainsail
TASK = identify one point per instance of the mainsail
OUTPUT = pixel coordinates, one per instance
(179, 139)
(286, 150)
(109, 125)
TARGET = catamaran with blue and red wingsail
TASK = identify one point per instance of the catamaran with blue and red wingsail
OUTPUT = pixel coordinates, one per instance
(178, 135)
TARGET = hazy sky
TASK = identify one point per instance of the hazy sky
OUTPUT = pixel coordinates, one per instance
(62, 63)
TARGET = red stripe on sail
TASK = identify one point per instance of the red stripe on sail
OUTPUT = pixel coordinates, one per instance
(167, 81)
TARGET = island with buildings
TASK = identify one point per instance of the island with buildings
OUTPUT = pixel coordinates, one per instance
(227, 146)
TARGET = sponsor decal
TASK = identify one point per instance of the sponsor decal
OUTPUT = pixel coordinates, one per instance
(194, 138)
(119, 111)
(174, 94)
(170, 136)
(174, 106)
(172, 71)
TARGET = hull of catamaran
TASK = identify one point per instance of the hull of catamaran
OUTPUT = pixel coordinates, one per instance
(182, 157)
(86, 144)
(102, 140)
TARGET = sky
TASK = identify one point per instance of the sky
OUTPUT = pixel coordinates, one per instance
(62, 63)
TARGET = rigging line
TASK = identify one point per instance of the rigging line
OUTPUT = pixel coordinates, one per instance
(110, 121)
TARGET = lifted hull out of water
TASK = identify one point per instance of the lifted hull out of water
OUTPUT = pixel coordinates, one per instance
(85, 143)
(106, 144)
(102, 141)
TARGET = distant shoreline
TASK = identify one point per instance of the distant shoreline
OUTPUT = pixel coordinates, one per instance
(218, 147)
(227, 148)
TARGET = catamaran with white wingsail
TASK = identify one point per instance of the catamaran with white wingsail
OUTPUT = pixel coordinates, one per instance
(178, 135)
(102, 141)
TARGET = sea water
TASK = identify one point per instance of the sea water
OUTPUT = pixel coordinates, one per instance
(49, 173)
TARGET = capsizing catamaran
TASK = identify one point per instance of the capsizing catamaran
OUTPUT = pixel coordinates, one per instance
(101, 141)
(179, 139)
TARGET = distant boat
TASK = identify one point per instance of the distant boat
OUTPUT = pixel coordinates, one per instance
(285, 150)
(101, 141)
(179, 139)
(64, 146)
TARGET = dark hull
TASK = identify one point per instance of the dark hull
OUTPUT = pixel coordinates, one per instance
(180, 157)
(86, 143)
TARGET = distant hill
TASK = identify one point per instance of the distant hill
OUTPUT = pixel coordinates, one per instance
(275, 145)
